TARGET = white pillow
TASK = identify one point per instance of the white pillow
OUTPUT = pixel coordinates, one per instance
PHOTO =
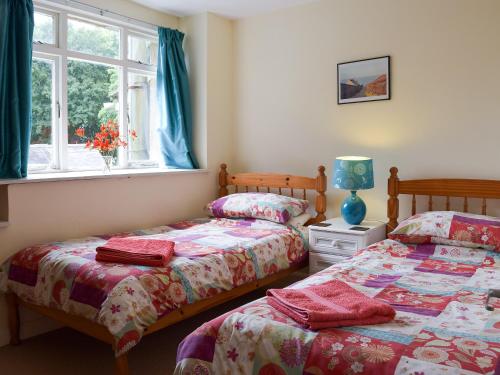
(299, 221)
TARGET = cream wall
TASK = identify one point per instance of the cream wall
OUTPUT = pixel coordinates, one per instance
(220, 93)
(209, 46)
(40, 212)
(195, 45)
(443, 120)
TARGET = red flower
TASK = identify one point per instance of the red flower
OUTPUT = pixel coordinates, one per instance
(107, 139)
(80, 132)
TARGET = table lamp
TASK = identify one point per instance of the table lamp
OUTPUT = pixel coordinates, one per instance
(353, 173)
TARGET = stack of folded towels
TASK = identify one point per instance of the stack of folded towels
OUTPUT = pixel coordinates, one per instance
(329, 305)
(136, 250)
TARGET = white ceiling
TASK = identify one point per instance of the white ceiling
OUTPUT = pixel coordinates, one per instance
(226, 8)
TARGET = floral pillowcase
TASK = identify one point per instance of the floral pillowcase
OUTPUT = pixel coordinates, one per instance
(450, 228)
(268, 206)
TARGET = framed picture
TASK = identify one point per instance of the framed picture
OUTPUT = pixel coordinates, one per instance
(364, 80)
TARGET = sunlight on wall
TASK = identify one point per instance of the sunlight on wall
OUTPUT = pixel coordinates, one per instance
(288, 119)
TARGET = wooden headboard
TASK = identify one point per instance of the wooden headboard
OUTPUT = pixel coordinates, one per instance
(439, 187)
(278, 183)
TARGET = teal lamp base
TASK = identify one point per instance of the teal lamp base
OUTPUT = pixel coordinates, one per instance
(353, 209)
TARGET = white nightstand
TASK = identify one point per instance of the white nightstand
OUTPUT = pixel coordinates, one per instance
(337, 242)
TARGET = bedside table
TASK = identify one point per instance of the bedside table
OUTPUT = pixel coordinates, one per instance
(337, 242)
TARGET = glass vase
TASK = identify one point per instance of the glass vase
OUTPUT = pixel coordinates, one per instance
(108, 162)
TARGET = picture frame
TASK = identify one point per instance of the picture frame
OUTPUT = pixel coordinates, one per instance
(366, 80)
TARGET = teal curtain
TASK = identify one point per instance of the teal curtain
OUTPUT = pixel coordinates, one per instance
(174, 102)
(16, 38)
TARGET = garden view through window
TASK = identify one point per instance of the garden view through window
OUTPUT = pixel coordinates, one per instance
(98, 76)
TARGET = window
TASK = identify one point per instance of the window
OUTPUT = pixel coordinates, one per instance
(91, 72)
(142, 50)
(41, 154)
(92, 101)
(93, 39)
(141, 117)
(45, 28)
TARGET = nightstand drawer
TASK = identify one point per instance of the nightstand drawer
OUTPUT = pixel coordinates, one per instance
(318, 262)
(334, 243)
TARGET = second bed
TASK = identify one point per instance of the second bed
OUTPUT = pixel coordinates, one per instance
(439, 288)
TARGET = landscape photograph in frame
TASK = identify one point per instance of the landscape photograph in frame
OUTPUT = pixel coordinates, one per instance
(364, 80)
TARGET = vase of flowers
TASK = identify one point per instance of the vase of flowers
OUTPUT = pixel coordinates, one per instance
(108, 162)
(107, 141)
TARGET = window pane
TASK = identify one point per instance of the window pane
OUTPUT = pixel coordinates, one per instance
(92, 100)
(41, 150)
(44, 28)
(93, 39)
(142, 115)
(142, 49)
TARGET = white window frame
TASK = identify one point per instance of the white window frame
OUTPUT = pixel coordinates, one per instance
(55, 108)
(59, 53)
(138, 34)
(55, 30)
(139, 163)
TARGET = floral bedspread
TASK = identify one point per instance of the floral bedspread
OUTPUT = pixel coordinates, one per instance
(211, 256)
(441, 325)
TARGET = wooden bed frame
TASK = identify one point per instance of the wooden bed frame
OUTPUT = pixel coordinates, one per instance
(439, 187)
(280, 182)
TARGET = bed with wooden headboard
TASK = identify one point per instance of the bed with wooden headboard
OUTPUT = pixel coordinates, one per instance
(448, 188)
(295, 186)
(414, 285)
(285, 184)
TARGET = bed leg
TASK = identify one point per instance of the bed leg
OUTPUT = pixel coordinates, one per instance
(13, 318)
(121, 365)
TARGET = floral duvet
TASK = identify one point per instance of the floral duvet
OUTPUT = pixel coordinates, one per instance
(211, 256)
(441, 326)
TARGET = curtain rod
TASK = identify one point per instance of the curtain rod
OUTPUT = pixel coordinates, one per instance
(104, 12)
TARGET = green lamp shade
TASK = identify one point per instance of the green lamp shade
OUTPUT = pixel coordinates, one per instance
(353, 173)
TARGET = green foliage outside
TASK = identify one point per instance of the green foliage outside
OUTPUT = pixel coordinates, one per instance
(41, 111)
(88, 91)
(91, 87)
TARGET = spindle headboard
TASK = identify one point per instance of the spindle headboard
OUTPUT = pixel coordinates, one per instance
(439, 187)
(280, 184)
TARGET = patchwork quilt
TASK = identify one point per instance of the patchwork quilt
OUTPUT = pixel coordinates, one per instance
(441, 326)
(211, 256)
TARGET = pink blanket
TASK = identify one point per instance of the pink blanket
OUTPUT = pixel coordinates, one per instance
(146, 252)
(333, 304)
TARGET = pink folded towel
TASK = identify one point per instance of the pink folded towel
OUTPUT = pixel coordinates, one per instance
(132, 250)
(332, 304)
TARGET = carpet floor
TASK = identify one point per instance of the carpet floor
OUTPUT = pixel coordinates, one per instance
(65, 351)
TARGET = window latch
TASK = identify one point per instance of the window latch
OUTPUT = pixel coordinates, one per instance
(58, 108)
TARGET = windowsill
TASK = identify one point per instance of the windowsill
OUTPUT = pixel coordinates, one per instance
(94, 175)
